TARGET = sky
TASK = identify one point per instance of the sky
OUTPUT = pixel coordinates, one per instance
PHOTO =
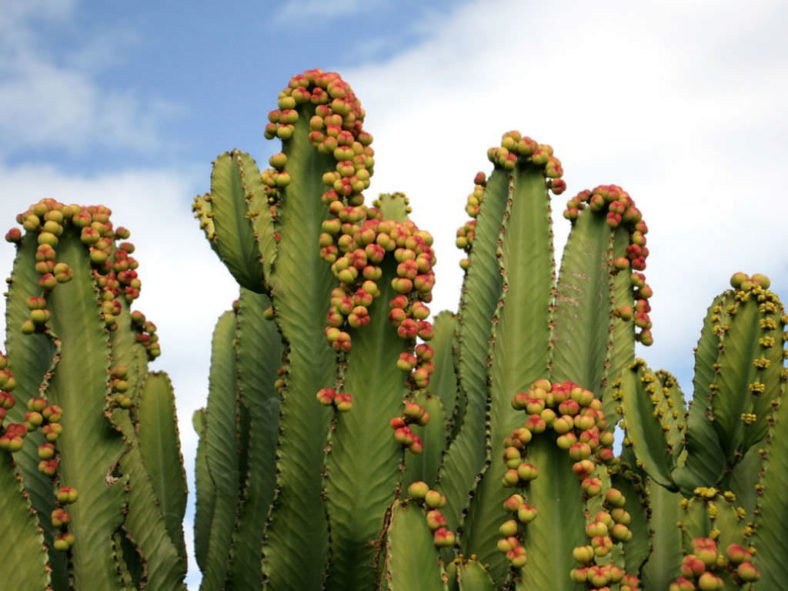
(681, 102)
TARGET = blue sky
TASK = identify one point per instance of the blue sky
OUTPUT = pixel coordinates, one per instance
(168, 82)
(683, 103)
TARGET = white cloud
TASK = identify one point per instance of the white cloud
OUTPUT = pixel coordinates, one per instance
(54, 100)
(46, 106)
(666, 99)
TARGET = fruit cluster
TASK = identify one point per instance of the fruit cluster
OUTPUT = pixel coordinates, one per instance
(702, 569)
(355, 239)
(343, 402)
(607, 528)
(114, 270)
(357, 253)
(574, 416)
(46, 417)
(336, 128)
(432, 501)
(515, 150)
(403, 434)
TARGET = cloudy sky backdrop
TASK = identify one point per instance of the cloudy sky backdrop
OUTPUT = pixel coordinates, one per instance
(682, 102)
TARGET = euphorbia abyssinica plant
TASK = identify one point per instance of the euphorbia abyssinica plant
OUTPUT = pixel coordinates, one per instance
(352, 440)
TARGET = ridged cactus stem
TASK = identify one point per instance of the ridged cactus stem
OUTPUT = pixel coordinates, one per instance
(665, 555)
(470, 575)
(749, 361)
(296, 541)
(360, 486)
(258, 361)
(716, 554)
(89, 448)
(161, 455)
(565, 510)
(480, 293)
(238, 432)
(385, 312)
(636, 511)
(219, 440)
(237, 220)
(410, 561)
(771, 527)
(245, 218)
(440, 401)
(713, 459)
(738, 380)
(32, 356)
(515, 363)
(595, 308)
(652, 429)
(153, 464)
(314, 197)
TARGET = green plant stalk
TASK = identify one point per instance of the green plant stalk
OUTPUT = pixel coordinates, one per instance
(480, 293)
(31, 356)
(633, 483)
(515, 362)
(259, 357)
(411, 559)
(360, 486)
(153, 533)
(296, 543)
(221, 456)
